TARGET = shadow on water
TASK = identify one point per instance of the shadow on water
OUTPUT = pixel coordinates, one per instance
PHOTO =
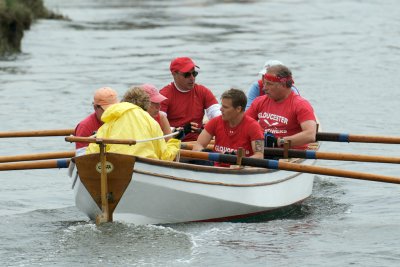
(322, 203)
(293, 212)
(325, 200)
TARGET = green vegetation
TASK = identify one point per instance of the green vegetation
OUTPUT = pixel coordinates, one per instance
(17, 16)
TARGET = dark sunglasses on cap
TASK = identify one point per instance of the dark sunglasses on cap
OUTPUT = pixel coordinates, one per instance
(98, 106)
(187, 74)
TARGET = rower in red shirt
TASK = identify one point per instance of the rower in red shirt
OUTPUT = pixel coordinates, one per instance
(102, 99)
(233, 129)
(187, 102)
(283, 113)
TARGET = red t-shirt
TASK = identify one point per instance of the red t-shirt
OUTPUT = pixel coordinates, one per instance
(184, 107)
(284, 118)
(86, 128)
(229, 139)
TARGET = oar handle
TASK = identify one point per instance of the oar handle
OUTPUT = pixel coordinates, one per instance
(37, 133)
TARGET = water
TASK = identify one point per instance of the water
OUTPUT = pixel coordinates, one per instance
(344, 56)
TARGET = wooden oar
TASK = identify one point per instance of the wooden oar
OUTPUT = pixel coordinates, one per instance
(311, 154)
(343, 137)
(101, 140)
(37, 133)
(280, 165)
(38, 156)
(41, 164)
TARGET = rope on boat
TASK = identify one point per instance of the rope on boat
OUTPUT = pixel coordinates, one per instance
(156, 138)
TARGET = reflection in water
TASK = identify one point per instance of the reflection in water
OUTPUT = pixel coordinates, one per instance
(112, 26)
(12, 70)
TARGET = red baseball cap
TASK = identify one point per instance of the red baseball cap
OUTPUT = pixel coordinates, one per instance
(153, 93)
(182, 64)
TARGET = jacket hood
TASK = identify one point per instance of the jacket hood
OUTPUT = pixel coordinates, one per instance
(115, 111)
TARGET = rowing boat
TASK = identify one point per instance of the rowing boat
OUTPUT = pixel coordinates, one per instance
(149, 191)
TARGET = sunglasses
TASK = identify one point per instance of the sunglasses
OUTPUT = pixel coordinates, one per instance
(187, 74)
(98, 107)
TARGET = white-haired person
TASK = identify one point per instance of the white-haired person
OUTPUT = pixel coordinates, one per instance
(257, 88)
(151, 104)
(154, 108)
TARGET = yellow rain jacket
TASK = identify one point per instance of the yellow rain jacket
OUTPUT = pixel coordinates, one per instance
(128, 121)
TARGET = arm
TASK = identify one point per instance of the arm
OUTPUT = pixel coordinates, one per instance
(213, 111)
(253, 92)
(210, 103)
(307, 134)
(295, 90)
(165, 127)
(202, 141)
(82, 131)
(164, 104)
(258, 149)
(172, 148)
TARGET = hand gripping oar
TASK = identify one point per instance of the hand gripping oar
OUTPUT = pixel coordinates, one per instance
(311, 154)
(343, 137)
(37, 133)
(280, 165)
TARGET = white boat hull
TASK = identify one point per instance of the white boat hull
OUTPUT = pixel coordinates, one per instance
(175, 192)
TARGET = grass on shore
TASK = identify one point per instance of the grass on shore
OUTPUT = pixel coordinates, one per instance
(17, 16)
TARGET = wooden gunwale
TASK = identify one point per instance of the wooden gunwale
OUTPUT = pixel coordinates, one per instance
(214, 183)
(212, 169)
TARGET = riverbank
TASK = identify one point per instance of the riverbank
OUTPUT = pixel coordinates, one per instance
(17, 16)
